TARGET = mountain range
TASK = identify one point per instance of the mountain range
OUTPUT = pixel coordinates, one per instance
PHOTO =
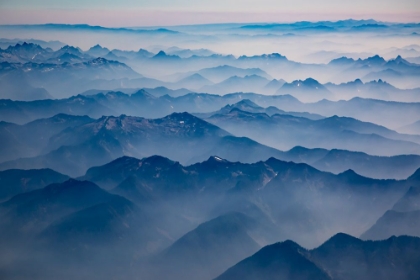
(341, 257)
(211, 151)
(141, 103)
(62, 141)
(329, 133)
(228, 210)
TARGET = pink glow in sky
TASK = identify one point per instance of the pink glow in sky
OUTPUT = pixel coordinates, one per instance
(178, 12)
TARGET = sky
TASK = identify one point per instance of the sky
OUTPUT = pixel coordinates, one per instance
(179, 12)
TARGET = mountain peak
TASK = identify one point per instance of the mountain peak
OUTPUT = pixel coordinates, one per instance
(415, 176)
(399, 60)
(216, 159)
(376, 59)
(342, 60)
(341, 240)
(246, 102)
(349, 172)
(157, 160)
(161, 54)
(358, 82)
(311, 81)
(70, 48)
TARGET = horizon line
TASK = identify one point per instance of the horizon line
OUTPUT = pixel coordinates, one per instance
(210, 23)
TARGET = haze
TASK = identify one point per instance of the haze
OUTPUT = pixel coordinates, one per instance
(162, 12)
(209, 140)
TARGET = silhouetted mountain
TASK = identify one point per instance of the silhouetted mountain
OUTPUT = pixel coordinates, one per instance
(98, 51)
(54, 45)
(410, 201)
(376, 67)
(329, 133)
(19, 91)
(253, 83)
(394, 223)
(212, 247)
(264, 57)
(249, 106)
(224, 72)
(402, 219)
(24, 52)
(69, 222)
(116, 225)
(398, 167)
(14, 181)
(162, 56)
(23, 112)
(32, 138)
(284, 260)
(29, 213)
(395, 258)
(274, 85)
(194, 81)
(308, 90)
(374, 89)
(185, 53)
(140, 54)
(413, 128)
(66, 79)
(390, 114)
(161, 91)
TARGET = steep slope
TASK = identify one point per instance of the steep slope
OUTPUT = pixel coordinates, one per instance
(394, 258)
(252, 83)
(329, 133)
(284, 260)
(394, 223)
(402, 219)
(309, 90)
(208, 250)
(14, 181)
(341, 257)
(32, 138)
(296, 199)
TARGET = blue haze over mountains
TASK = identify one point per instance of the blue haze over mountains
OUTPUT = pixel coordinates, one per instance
(218, 151)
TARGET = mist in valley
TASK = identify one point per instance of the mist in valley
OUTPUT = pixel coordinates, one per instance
(226, 151)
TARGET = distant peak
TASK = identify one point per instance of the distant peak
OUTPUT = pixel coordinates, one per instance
(99, 60)
(182, 118)
(342, 59)
(350, 174)
(158, 161)
(415, 176)
(67, 47)
(216, 159)
(376, 58)
(246, 102)
(341, 239)
(311, 81)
